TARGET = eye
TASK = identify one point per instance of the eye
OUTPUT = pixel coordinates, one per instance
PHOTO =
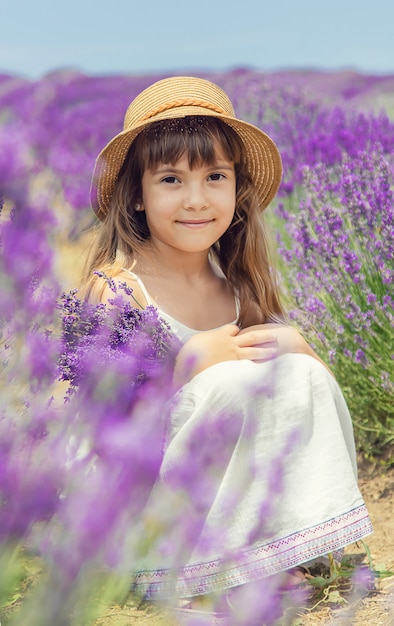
(170, 180)
(216, 176)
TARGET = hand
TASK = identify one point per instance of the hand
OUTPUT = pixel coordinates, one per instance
(289, 340)
(223, 344)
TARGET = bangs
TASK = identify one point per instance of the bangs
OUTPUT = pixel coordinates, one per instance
(167, 141)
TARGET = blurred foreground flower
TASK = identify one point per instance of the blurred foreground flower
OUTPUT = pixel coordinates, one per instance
(74, 476)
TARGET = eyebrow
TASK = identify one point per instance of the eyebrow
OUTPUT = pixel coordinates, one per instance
(174, 170)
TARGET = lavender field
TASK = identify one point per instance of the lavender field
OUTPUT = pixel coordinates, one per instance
(333, 226)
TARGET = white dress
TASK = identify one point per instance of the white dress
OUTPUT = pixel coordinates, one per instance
(267, 453)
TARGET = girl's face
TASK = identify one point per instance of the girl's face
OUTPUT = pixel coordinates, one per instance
(189, 209)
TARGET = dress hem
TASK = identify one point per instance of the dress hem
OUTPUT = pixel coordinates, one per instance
(258, 562)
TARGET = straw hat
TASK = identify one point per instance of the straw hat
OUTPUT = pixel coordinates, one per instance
(177, 97)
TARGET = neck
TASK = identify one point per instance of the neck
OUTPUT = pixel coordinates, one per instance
(165, 263)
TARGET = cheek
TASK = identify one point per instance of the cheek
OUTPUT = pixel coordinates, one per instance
(157, 201)
(156, 217)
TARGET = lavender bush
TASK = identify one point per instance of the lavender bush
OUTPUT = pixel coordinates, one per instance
(340, 272)
(306, 130)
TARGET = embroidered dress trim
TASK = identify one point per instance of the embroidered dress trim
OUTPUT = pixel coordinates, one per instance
(259, 562)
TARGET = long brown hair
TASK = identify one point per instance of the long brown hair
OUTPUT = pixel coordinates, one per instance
(242, 252)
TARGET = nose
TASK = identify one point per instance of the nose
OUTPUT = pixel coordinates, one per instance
(195, 199)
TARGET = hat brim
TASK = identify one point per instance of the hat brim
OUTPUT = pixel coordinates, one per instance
(261, 155)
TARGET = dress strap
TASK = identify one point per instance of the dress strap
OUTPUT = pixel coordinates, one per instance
(140, 284)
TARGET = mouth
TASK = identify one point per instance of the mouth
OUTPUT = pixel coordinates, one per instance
(194, 223)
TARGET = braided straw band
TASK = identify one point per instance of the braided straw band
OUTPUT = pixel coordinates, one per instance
(183, 103)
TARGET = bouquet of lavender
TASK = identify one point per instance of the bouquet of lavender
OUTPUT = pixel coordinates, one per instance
(136, 343)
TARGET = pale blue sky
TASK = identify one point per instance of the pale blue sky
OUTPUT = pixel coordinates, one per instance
(146, 36)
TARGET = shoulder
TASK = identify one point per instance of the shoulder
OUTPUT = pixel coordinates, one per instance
(123, 284)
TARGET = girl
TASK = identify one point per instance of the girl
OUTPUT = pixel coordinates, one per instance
(179, 193)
